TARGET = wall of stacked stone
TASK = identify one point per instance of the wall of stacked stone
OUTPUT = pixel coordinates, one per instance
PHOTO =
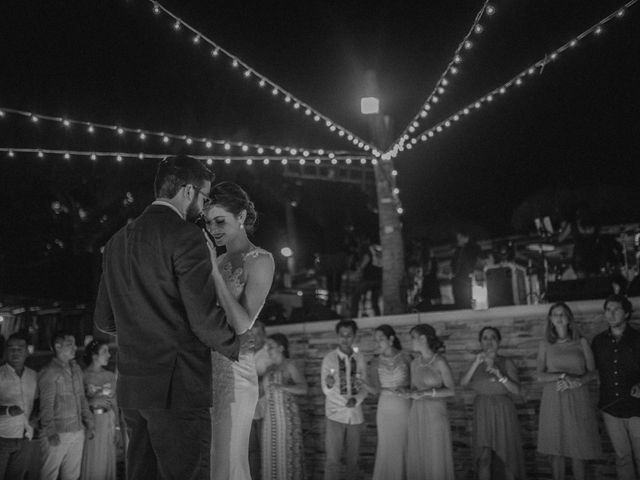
(522, 327)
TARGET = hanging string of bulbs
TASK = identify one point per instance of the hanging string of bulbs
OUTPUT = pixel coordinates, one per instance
(13, 152)
(166, 137)
(250, 74)
(452, 69)
(536, 68)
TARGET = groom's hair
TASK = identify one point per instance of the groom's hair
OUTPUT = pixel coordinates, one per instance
(175, 172)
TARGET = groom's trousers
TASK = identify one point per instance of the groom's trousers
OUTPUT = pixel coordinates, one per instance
(168, 444)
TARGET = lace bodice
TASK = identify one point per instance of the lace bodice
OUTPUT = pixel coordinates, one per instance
(236, 279)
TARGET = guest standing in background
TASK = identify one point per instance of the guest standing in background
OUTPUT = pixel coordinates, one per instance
(567, 424)
(99, 455)
(429, 447)
(341, 375)
(463, 264)
(283, 451)
(496, 431)
(18, 391)
(390, 379)
(64, 412)
(617, 358)
(263, 361)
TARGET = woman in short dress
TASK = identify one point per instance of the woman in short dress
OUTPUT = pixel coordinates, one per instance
(567, 424)
(429, 446)
(496, 432)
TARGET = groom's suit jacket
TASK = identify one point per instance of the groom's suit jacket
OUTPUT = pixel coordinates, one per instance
(157, 295)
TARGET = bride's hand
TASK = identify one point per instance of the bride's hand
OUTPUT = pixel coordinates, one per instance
(212, 250)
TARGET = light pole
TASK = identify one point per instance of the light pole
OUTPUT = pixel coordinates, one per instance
(389, 223)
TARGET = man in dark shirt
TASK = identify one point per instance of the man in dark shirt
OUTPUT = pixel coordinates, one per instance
(617, 357)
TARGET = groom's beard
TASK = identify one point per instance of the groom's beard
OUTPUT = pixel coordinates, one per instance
(193, 211)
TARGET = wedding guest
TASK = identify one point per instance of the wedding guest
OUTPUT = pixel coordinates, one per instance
(64, 412)
(99, 455)
(429, 446)
(262, 361)
(341, 372)
(617, 358)
(283, 451)
(18, 390)
(567, 423)
(496, 432)
(390, 380)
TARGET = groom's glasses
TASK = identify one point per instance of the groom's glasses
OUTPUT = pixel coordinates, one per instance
(206, 201)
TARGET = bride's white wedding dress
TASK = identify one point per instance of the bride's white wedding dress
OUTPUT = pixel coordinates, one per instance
(235, 394)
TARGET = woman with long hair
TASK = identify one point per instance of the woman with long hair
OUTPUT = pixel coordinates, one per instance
(429, 446)
(242, 277)
(567, 423)
(496, 433)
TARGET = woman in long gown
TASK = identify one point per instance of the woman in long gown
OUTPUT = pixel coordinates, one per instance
(282, 449)
(243, 277)
(567, 425)
(429, 447)
(99, 452)
(496, 432)
(390, 380)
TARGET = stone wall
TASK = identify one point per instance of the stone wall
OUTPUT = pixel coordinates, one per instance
(522, 328)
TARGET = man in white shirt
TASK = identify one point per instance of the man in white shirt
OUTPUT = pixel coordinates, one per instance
(343, 371)
(18, 390)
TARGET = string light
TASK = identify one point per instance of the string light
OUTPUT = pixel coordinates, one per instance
(120, 156)
(518, 79)
(262, 81)
(143, 134)
(465, 44)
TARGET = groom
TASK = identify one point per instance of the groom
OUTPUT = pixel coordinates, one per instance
(157, 294)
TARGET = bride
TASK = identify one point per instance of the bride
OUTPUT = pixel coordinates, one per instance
(243, 277)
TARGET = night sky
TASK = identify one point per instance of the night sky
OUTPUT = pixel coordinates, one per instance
(573, 128)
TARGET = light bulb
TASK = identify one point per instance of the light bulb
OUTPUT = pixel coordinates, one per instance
(490, 10)
(67, 156)
(120, 131)
(227, 160)
(260, 150)
(176, 26)
(40, 154)
(479, 28)
(208, 144)
(209, 161)
(274, 91)
(66, 122)
(142, 136)
(93, 157)
(196, 39)
(468, 44)
(215, 52)
(119, 158)
(165, 139)
(265, 161)
(156, 9)
(90, 129)
(189, 141)
(34, 119)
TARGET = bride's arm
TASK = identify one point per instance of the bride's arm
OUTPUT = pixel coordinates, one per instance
(241, 315)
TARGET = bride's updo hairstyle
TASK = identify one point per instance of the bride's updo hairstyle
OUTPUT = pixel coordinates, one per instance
(234, 199)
